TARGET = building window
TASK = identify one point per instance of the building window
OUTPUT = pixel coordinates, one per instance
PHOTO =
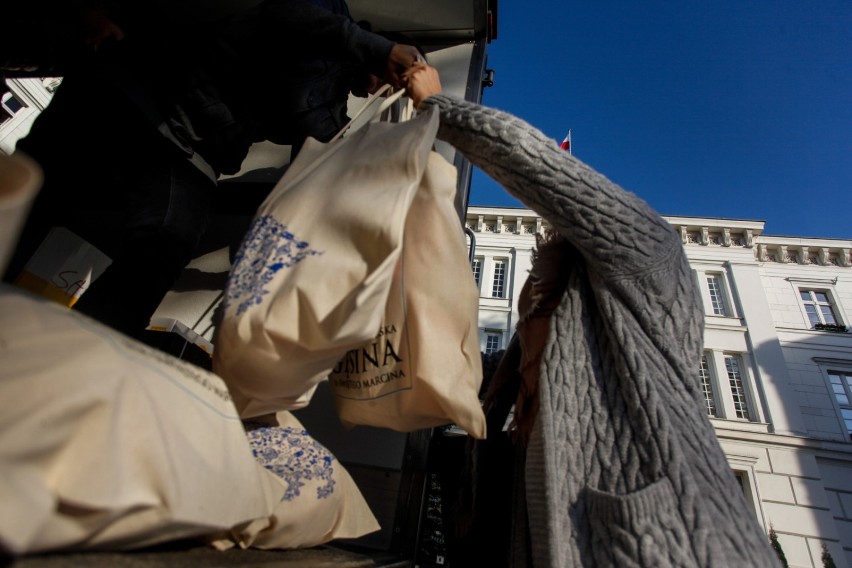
(492, 343)
(707, 387)
(498, 286)
(818, 307)
(477, 270)
(745, 485)
(717, 295)
(735, 377)
(841, 385)
(740, 479)
(726, 387)
(11, 103)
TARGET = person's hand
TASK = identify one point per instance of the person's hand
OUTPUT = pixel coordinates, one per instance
(401, 58)
(421, 81)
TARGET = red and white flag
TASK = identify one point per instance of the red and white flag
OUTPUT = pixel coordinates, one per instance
(566, 144)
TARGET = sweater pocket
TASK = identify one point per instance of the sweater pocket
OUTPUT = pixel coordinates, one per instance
(642, 528)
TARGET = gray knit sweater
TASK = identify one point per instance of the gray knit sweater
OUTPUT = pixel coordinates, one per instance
(623, 467)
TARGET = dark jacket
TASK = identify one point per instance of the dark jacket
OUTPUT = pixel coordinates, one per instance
(219, 74)
(281, 71)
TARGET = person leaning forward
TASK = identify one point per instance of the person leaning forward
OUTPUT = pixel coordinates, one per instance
(621, 464)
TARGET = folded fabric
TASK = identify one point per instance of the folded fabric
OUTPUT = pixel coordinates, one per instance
(319, 501)
(106, 443)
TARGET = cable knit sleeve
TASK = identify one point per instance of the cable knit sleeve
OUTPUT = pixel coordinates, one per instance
(614, 229)
(634, 257)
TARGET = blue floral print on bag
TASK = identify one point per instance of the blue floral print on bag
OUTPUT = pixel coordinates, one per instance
(294, 456)
(267, 248)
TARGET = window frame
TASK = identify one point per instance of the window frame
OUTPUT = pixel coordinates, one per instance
(708, 388)
(720, 275)
(830, 302)
(846, 385)
(11, 96)
(729, 403)
(723, 309)
(500, 267)
(497, 336)
(741, 399)
(476, 268)
(828, 366)
(824, 285)
(743, 467)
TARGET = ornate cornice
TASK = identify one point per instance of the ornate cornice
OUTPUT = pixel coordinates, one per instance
(695, 232)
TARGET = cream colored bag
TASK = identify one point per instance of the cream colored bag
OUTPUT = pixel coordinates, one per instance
(423, 368)
(103, 441)
(312, 276)
(106, 443)
(317, 499)
(20, 182)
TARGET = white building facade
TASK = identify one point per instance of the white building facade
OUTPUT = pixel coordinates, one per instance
(20, 105)
(777, 364)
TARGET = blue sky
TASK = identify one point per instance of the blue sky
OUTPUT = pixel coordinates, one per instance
(735, 109)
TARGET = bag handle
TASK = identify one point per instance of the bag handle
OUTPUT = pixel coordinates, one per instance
(371, 100)
(406, 114)
(385, 105)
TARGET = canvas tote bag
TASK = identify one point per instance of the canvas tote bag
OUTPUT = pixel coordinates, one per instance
(103, 441)
(20, 182)
(423, 368)
(312, 275)
(107, 443)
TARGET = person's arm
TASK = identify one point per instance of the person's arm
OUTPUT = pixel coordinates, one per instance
(310, 28)
(630, 251)
(614, 229)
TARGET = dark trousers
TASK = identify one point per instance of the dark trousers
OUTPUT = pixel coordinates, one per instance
(111, 177)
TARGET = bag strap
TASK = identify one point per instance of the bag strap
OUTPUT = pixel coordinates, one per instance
(376, 112)
(396, 111)
(406, 112)
(348, 128)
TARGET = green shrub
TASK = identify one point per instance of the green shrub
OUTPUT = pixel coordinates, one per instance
(827, 560)
(776, 545)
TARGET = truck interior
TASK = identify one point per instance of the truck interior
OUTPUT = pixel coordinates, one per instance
(396, 472)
